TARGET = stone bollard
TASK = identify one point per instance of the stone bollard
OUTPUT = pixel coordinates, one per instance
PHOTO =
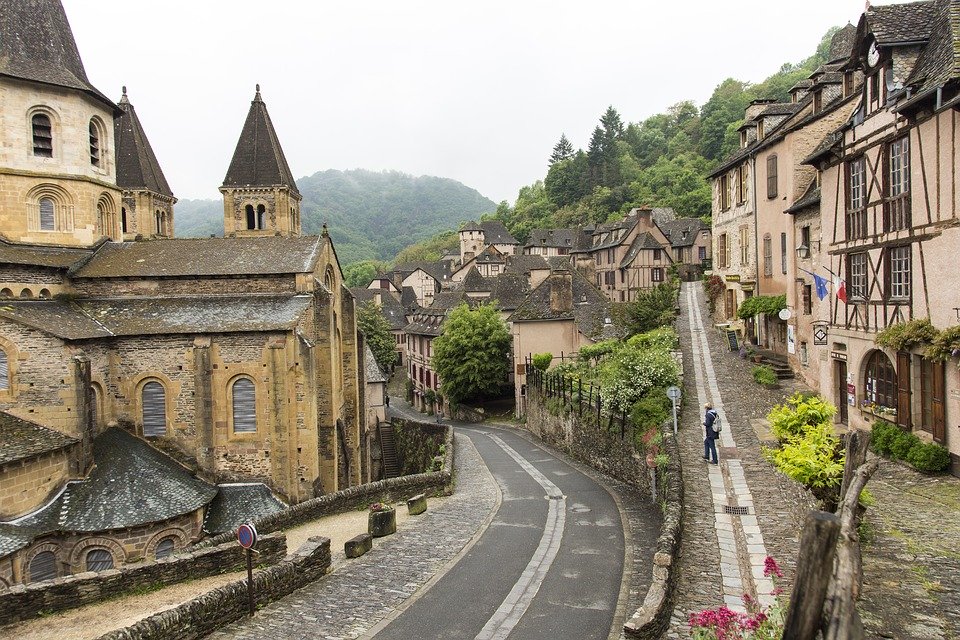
(417, 504)
(358, 545)
(382, 523)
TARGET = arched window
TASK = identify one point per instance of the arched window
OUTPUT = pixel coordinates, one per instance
(154, 408)
(95, 404)
(251, 217)
(47, 218)
(44, 294)
(101, 220)
(261, 217)
(43, 566)
(26, 293)
(881, 380)
(42, 135)
(6, 293)
(99, 559)
(165, 548)
(159, 216)
(244, 406)
(94, 143)
(4, 371)
(123, 219)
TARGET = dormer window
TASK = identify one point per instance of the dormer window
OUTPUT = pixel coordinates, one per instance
(847, 83)
(42, 136)
(743, 138)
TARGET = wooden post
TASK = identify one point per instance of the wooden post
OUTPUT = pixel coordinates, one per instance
(857, 443)
(814, 568)
(580, 396)
(598, 409)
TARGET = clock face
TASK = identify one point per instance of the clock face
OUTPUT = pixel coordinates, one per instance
(873, 54)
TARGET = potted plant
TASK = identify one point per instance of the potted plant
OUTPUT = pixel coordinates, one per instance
(382, 520)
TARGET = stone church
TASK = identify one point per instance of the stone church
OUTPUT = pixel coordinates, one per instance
(176, 364)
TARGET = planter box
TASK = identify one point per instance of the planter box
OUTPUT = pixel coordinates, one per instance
(382, 523)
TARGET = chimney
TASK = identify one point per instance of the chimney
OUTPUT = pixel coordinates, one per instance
(537, 276)
(378, 299)
(644, 218)
(561, 292)
(84, 399)
(755, 108)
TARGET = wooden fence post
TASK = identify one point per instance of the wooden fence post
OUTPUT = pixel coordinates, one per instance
(580, 396)
(814, 569)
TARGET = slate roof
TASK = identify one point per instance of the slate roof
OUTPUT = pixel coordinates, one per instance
(558, 238)
(643, 242)
(559, 262)
(809, 198)
(41, 256)
(901, 23)
(683, 232)
(36, 44)
(474, 282)
(490, 255)
(939, 63)
(448, 299)
(408, 298)
(524, 263)
(104, 317)
(132, 484)
(258, 160)
(841, 45)
(436, 270)
(427, 322)
(495, 233)
(734, 159)
(510, 290)
(781, 109)
(610, 234)
(137, 165)
(471, 226)
(236, 504)
(590, 306)
(23, 439)
(390, 308)
(192, 257)
(372, 370)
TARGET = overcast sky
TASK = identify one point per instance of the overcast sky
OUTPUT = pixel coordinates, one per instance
(474, 91)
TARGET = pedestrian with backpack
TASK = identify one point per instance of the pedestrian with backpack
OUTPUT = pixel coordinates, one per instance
(711, 425)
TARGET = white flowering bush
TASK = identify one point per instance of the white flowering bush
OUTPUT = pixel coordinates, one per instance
(630, 374)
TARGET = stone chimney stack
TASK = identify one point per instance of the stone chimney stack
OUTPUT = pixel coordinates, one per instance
(561, 292)
(86, 428)
(755, 108)
(378, 299)
(644, 217)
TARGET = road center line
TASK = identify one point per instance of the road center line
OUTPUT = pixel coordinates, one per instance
(508, 614)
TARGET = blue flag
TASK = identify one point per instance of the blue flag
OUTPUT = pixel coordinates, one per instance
(821, 283)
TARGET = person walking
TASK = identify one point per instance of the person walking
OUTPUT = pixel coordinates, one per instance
(710, 440)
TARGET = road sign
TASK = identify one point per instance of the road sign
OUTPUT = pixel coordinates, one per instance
(247, 536)
(673, 393)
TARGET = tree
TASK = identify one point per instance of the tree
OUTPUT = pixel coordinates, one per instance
(470, 357)
(376, 332)
(563, 150)
(359, 274)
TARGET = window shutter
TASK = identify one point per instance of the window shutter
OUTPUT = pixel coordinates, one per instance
(99, 560)
(903, 389)
(47, 220)
(43, 566)
(154, 410)
(4, 371)
(244, 406)
(939, 416)
(772, 177)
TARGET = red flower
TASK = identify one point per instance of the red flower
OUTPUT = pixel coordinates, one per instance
(770, 567)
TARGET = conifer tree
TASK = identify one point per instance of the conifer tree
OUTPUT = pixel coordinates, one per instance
(563, 150)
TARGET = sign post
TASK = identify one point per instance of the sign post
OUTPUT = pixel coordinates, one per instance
(674, 394)
(247, 537)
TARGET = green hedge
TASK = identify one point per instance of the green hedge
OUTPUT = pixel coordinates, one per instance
(892, 441)
(767, 305)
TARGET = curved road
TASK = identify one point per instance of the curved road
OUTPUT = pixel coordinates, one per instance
(549, 565)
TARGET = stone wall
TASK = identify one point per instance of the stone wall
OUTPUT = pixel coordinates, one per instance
(418, 443)
(21, 602)
(200, 616)
(26, 484)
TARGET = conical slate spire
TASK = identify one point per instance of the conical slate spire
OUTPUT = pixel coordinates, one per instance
(258, 160)
(36, 44)
(137, 166)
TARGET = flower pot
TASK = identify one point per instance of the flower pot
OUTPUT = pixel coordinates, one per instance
(382, 523)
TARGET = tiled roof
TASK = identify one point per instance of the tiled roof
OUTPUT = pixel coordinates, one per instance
(524, 264)
(559, 262)
(509, 290)
(683, 232)
(99, 318)
(192, 257)
(131, 484)
(137, 165)
(236, 504)
(436, 270)
(41, 256)
(734, 159)
(611, 234)
(841, 45)
(23, 439)
(781, 109)
(806, 83)
(428, 322)
(372, 370)
(448, 299)
(36, 44)
(558, 238)
(900, 23)
(495, 233)
(809, 198)
(258, 160)
(662, 214)
(390, 308)
(590, 310)
(823, 149)
(644, 241)
(408, 298)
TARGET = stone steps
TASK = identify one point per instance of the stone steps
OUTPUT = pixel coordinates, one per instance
(388, 449)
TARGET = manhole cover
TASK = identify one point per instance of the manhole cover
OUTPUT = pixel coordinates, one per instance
(737, 511)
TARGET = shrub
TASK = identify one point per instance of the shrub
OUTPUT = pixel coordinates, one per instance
(799, 413)
(946, 342)
(630, 374)
(542, 361)
(901, 444)
(664, 339)
(598, 350)
(764, 375)
(814, 459)
(651, 411)
(767, 305)
(882, 437)
(929, 457)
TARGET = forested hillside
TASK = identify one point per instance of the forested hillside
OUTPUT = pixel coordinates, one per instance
(371, 215)
(661, 161)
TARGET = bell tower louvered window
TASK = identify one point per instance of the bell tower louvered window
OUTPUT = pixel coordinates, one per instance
(94, 144)
(48, 221)
(43, 566)
(244, 406)
(154, 409)
(4, 371)
(42, 136)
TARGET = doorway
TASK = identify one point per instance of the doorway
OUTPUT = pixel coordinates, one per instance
(840, 380)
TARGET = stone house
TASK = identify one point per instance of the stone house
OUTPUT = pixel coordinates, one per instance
(889, 226)
(424, 279)
(551, 242)
(690, 243)
(475, 237)
(489, 262)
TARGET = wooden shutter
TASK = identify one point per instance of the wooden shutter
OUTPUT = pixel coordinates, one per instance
(939, 415)
(772, 177)
(4, 371)
(154, 409)
(43, 566)
(244, 406)
(903, 390)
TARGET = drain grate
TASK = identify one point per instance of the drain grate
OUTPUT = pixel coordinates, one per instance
(737, 511)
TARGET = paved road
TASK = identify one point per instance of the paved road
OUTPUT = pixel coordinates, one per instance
(549, 565)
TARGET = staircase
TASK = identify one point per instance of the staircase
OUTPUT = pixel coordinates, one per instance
(778, 363)
(388, 449)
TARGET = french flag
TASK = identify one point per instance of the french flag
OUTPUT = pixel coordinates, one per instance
(841, 288)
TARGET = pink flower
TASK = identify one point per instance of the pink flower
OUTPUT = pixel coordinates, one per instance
(770, 567)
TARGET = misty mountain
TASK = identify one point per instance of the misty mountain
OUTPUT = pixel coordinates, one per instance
(371, 215)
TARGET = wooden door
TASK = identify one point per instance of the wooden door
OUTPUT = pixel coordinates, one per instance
(730, 304)
(841, 382)
(938, 401)
(904, 409)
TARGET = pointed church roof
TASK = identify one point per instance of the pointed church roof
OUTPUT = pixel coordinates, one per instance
(137, 166)
(258, 160)
(36, 44)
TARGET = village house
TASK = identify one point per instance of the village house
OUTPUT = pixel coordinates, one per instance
(475, 237)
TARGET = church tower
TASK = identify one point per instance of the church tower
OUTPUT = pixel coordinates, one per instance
(146, 209)
(260, 196)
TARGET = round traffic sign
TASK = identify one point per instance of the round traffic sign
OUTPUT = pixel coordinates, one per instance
(673, 393)
(247, 536)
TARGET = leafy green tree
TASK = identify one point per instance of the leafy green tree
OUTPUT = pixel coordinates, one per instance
(376, 332)
(359, 274)
(652, 309)
(430, 250)
(563, 150)
(471, 355)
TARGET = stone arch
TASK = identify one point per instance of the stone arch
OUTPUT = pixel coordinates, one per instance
(26, 293)
(879, 375)
(37, 550)
(79, 552)
(106, 215)
(98, 143)
(9, 357)
(180, 536)
(6, 292)
(170, 391)
(49, 208)
(56, 128)
(96, 390)
(44, 294)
